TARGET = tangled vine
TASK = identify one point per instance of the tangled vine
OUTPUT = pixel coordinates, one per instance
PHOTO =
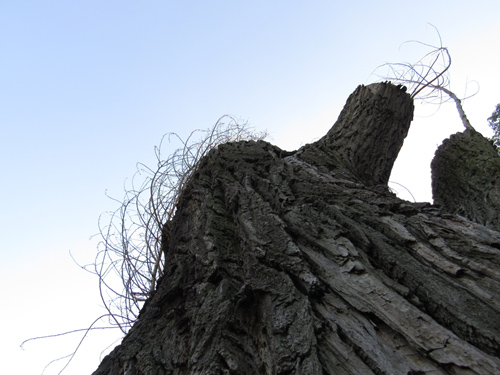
(129, 259)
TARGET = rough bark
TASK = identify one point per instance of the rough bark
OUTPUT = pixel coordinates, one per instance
(304, 263)
(369, 133)
(466, 178)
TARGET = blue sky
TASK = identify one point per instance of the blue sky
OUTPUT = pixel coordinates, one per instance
(88, 88)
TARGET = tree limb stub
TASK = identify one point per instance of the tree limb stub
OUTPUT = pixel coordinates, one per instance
(370, 131)
(466, 178)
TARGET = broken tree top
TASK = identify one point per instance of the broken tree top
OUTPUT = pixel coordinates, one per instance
(305, 263)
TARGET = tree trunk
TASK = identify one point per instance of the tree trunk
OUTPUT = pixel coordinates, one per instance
(305, 263)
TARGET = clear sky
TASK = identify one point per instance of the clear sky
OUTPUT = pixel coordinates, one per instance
(87, 89)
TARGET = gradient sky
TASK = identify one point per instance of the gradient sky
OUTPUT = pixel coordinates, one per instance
(88, 88)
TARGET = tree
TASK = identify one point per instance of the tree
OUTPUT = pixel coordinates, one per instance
(494, 122)
(130, 259)
(304, 262)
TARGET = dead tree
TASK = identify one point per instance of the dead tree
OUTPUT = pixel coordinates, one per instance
(305, 263)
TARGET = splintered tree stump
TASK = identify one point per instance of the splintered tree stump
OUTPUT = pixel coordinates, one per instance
(305, 263)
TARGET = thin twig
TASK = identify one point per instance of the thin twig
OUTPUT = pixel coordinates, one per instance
(428, 79)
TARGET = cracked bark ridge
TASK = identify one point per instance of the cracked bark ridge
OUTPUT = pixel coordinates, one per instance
(466, 178)
(303, 263)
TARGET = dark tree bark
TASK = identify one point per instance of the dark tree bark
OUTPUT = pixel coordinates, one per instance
(466, 178)
(305, 263)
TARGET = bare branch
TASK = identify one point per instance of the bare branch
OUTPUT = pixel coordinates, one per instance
(65, 333)
(427, 79)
